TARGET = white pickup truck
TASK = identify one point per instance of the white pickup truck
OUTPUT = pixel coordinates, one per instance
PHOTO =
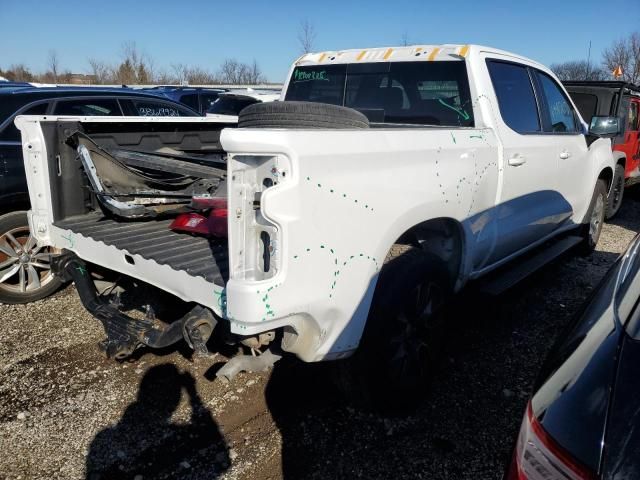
(338, 219)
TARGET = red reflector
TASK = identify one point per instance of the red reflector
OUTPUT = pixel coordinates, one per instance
(190, 222)
(215, 225)
(539, 457)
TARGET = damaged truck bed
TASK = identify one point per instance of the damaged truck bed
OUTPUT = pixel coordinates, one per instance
(117, 187)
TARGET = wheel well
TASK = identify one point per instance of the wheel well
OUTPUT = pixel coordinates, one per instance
(607, 176)
(442, 237)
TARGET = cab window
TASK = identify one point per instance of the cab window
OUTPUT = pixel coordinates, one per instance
(516, 99)
(560, 114)
(418, 93)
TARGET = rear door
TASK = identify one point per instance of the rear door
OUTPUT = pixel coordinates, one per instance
(529, 205)
(563, 130)
(13, 183)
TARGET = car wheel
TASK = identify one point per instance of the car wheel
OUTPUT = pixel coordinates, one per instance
(592, 224)
(617, 192)
(25, 271)
(404, 333)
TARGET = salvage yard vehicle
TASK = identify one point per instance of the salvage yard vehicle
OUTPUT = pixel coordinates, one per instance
(319, 230)
(228, 105)
(27, 281)
(622, 100)
(581, 420)
(197, 98)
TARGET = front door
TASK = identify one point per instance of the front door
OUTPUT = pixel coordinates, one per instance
(561, 124)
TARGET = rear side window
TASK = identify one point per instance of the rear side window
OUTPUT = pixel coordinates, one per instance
(560, 113)
(207, 100)
(516, 99)
(421, 93)
(146, 108)
(587, 104)
(11, 132)
(191, 99)
(89, 107)
(230, 105)
(632, 123)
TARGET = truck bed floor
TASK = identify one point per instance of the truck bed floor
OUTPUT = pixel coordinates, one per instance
(152, 240)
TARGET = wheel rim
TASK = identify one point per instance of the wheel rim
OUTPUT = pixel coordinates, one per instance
(411, 343)
(597, 217)
(24, 265)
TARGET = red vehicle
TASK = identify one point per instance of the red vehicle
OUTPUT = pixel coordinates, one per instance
(621, 99)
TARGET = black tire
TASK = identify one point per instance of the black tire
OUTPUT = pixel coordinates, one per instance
(23, 279)
(404, 334)
(617, 192)
(301, 115)
(594, 219)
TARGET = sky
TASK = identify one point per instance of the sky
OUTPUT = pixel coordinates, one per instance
(205, 32)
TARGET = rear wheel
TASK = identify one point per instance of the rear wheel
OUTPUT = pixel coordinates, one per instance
(617, 192)
(25, 270)
(404, 333)
(592, 225)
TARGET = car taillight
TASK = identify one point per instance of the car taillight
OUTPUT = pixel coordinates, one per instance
(539, 457)
(213, 225)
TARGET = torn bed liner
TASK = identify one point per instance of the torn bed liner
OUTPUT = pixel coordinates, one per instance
(152, 240)
(134, 184)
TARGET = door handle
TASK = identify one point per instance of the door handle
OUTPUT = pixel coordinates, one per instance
(517, 160)
(564, 155)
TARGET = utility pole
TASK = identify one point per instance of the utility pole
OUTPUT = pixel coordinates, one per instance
(588, 61)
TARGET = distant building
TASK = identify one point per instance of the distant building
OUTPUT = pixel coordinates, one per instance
(81, 79)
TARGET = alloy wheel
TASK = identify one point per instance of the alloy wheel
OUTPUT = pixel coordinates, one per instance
(24, 265)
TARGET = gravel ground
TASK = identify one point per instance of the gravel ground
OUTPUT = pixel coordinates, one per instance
(65, 409)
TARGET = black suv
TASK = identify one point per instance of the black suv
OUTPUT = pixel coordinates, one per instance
(198, 98)
(24, 266)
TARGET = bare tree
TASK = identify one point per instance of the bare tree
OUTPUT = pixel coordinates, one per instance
(624, 53)
(306, 36)
(578, 70)
(53, 63)
(19, 73)
(101, 72)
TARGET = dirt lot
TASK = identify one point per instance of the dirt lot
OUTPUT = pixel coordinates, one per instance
(64, 407)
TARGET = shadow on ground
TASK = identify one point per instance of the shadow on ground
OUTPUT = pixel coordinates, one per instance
(148, 444)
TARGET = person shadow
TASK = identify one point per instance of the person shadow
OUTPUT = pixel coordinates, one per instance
(146, 444)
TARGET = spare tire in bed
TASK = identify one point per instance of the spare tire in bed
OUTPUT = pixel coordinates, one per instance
(302, 115)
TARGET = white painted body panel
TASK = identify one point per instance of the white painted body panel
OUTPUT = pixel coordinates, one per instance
(343, 197)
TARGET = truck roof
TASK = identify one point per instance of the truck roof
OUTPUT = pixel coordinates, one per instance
(411, 53)
(604, 84)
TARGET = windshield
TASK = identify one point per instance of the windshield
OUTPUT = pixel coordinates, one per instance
(228, 105)
(423, 93)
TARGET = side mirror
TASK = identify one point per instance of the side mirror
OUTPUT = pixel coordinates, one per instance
(606, 127)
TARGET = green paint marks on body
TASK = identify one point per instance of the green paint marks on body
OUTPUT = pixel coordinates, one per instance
(69, 238)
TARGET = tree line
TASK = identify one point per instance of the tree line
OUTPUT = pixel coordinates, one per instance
(623, 53)
(138, 68)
